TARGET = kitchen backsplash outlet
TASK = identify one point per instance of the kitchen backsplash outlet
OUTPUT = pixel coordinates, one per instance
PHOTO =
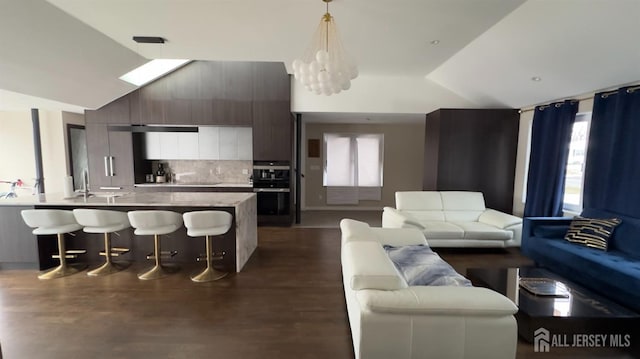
(206, 172)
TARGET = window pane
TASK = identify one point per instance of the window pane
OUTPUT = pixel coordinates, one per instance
(369, 161)
(338, 171)
(353, 160)
(575, 163)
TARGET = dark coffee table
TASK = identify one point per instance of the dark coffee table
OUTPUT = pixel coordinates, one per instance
(581, 312)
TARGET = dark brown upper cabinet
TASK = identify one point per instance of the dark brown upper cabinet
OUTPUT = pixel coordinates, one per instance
(272, 131)
(271, 82)
(150, 103)
(272, 120)
(255, 94)
(200, 93)
(116, 112)
(233, 107)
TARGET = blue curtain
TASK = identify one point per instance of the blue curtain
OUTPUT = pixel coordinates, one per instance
(552, 126)
(612, 169)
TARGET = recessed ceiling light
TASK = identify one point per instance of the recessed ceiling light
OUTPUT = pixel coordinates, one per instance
(434, 42)
(536, 78)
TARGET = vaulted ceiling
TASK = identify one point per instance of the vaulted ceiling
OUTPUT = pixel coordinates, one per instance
(68, 54)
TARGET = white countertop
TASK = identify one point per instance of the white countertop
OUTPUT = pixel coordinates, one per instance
(151, 199)
(202, 185)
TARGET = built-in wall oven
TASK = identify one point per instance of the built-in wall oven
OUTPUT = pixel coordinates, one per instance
(271, 183)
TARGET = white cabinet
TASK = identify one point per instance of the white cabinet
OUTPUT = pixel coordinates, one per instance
(245, 143)
(168, 146)
(226, 143)
(188, 148)
(209, 143)
(152, 146)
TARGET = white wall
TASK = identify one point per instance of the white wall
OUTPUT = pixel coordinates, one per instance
(17, 153)
(16, 148)
(379, 94)
(403, 162)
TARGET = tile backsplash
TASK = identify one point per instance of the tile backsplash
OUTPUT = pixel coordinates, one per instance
(207, 172)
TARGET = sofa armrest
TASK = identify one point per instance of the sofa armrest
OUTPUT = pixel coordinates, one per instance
(392, 218)
(366, 265)
(499, 219)
(353, 231)
(542, 227)
(530, 225)
(438, 300)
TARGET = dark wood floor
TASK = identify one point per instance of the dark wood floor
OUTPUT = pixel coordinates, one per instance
(287, 303)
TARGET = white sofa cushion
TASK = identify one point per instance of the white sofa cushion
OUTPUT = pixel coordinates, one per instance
(499, 219)
(478, 230)
(462, 206)
(462, 201)
(444, 230)
(419, 201)
(421, 216)
(437, 300)
(366, 266)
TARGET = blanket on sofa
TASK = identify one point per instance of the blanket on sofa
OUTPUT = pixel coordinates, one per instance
(419, 265)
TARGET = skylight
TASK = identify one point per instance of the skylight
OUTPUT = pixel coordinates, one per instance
(151, 71)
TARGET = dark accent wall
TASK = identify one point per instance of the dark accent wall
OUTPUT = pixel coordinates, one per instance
(472, 150)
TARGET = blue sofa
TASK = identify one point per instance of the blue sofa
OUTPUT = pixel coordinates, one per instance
(614, 273)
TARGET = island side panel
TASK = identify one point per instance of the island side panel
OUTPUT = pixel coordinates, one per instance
(18, 246)
(246, 231)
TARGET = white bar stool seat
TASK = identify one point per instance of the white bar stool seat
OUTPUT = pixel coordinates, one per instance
(207, 224)
(156, 223)
(105, 222)
(53, 221)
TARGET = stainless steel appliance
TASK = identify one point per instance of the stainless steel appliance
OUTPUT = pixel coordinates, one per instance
(271, 183)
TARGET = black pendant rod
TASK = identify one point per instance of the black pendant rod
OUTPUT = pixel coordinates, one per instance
(298, 169)
(37, 149)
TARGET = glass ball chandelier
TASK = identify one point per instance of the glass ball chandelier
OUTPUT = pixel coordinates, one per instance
(325, 68)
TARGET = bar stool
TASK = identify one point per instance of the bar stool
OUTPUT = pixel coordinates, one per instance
(207, 223)
(54, 221)
(156, 223)
(105, 222)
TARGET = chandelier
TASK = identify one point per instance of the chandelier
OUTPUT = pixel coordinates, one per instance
(325, 67)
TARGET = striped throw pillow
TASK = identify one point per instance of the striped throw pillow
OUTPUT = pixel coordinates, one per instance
(592, 232)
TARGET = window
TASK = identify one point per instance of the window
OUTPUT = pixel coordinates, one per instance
(353, 160)
(574, 176)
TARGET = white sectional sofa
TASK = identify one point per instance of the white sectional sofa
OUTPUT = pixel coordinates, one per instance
(390, 319)
(453, 219)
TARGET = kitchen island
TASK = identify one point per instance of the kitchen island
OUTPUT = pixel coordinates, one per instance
(20, 248)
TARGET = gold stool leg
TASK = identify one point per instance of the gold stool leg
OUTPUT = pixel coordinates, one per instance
(109, 267)
(63, 269)
(157, 271)
(209, 274)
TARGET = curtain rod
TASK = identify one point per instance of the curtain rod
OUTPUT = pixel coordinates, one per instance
(604, 95)
(558, 104)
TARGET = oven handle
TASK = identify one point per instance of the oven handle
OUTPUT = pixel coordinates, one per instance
(259, 167)
(271, 190)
